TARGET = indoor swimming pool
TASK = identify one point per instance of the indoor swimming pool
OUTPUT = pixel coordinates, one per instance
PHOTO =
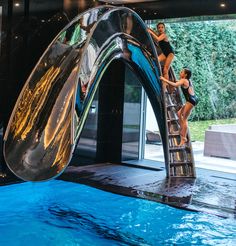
(63, 213)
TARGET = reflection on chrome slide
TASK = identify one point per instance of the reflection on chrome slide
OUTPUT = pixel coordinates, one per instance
(52, 108)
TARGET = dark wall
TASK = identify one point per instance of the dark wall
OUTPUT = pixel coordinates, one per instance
(25, 35)
(28, 27)
(27, 30)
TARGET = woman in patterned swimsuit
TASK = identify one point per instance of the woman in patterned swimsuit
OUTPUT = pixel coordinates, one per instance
(191, 101)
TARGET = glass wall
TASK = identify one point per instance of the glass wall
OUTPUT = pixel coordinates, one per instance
(132, 116)
(153, 146)
(112, 128)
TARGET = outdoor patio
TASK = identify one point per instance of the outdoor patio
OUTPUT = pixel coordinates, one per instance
(155, 152)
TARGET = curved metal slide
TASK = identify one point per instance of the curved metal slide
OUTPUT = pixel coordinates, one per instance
(53, 105)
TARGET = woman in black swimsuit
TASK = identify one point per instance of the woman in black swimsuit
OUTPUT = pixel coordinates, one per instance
(191, 101)
(167, 54)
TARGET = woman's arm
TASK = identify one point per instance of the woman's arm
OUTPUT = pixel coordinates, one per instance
(175, 84)
(155, 36)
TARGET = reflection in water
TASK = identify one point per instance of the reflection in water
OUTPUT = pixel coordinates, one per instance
(89, 222)
(87, 217)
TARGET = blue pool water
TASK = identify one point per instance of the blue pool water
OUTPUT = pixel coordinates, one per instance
(64, 213)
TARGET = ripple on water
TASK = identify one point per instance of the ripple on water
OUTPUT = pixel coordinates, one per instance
(63, 213)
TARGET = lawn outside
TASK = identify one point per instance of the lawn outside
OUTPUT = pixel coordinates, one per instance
(198, 128)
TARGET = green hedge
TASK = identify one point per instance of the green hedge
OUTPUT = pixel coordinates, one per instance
(209, 49)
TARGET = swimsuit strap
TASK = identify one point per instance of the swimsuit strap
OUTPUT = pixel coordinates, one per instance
(188, 85)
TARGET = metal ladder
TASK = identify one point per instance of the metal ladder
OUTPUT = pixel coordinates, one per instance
(181, 161)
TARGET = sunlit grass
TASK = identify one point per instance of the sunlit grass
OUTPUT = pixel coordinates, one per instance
(198, 128)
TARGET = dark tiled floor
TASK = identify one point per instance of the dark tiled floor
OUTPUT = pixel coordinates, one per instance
(212, 191)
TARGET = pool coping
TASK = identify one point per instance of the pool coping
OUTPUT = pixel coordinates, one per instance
(211, 192)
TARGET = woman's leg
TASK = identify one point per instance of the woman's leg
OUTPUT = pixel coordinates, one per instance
(161, 57)
(184, 122)
(179, 113)
(166, 68)
(167, 64)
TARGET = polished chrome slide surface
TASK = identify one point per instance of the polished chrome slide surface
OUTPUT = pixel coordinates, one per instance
(52, 108)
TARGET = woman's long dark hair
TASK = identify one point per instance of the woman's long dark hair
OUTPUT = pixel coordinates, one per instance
(161, 23)
(188, 72)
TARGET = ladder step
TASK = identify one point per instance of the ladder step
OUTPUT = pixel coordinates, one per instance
(177, 148)
(168, 93)
(190, 175)
(171, 106)
(173, 119)
(173, 135)
(179, 163)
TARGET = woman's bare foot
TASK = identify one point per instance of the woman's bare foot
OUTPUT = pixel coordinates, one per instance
(183, 141)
